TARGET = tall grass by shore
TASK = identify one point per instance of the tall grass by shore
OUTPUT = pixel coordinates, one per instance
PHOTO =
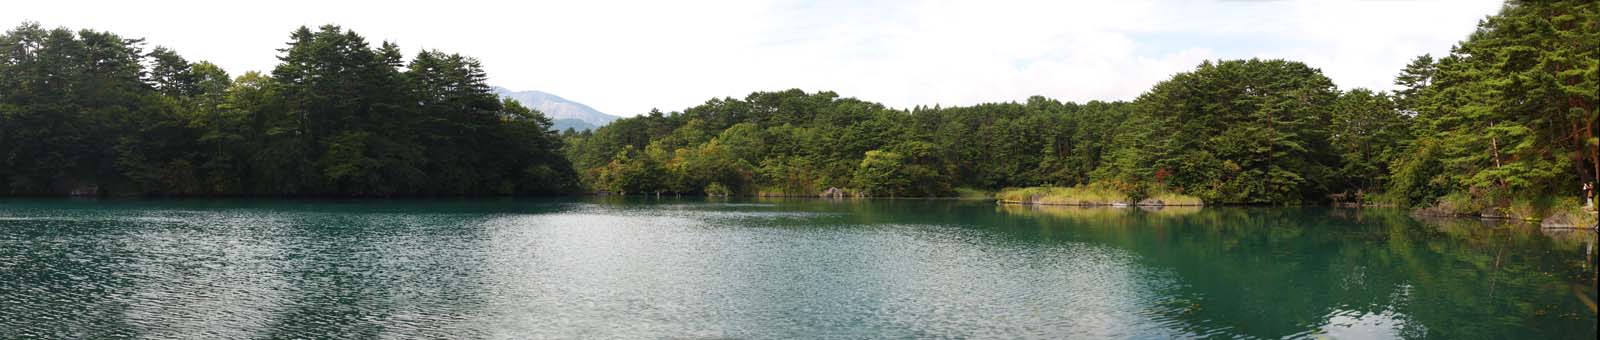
(1078, 195)
(1175, 199)
(1091, 195)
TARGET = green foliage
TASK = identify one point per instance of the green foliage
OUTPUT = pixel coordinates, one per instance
(1367, 133)
(1509, 115)
(718, 190)
(90, 110)
(1240, 131)
(1229, 132)
(794, 143)
(1459, 203)
(882, 173)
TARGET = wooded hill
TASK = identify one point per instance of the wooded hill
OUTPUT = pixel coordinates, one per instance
(1506, 120)
(1504, 124)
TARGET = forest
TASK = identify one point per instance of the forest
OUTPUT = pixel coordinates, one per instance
(1504, 124)
(93, 113)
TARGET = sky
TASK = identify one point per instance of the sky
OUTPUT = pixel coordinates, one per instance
(627, 57)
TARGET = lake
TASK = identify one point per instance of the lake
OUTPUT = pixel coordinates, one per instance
(649, 268)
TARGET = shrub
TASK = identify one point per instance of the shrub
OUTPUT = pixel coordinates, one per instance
(1459, 203)
(717, 190)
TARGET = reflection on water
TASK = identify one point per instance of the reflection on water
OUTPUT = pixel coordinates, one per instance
(776, 269)
(1271, 273)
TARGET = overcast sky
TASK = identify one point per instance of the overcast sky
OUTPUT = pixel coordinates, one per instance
(624, 58)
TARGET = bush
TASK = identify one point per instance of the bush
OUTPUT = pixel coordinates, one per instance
(1385, 199)
(717, 190)
(1459, 203)
(1525, 209)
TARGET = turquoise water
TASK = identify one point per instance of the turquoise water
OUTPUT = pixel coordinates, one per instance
(647, 268)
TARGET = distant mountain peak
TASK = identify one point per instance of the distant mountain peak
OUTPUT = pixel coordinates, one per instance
(558, 108)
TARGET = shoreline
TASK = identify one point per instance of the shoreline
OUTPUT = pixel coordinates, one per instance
(1093, 205)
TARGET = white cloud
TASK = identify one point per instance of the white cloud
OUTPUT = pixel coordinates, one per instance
(627, 57)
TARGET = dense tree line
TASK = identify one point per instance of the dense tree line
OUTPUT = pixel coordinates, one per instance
(797, 143)
(1506, 120)
(1504, 124)
(1242, 131)
(93, 112)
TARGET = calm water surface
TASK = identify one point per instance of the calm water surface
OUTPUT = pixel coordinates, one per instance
(775, 269)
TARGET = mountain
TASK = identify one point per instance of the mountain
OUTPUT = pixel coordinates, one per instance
(565, 113)
(572, 123)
